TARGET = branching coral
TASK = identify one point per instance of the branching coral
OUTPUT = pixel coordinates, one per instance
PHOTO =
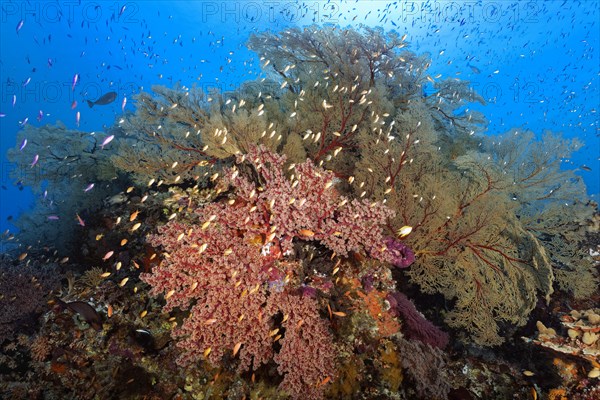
(174, 134)
(469, 244)
(322, 84)
(163, 130)
(425, 366)
(67, 163)
(450, 96)
(235, 268)
(487, 214)
(24, 288)
(307, 353)
(330, 84)
(545, 194)
(474, 250)
(353, 101)
(62, 154)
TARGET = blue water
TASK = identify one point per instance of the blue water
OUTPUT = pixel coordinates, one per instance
(535, 62)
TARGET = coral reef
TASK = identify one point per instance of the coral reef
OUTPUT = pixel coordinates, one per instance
(425, 365)
(72, 176)
(235, 268)
(581, 339)
(279, 242)
(24, 289)
(416, 326)
(403, 255)
(545, 193)
(475, 242)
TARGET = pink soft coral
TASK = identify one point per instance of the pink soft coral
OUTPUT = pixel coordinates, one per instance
(233, 267)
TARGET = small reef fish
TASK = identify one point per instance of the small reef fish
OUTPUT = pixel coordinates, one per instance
(77, 118)
(106, 141)
(585, 168)
(80, 220)
(20, 25)
(236, 348)
(36, 158)
(105, 99)
(23, 144)
(89, 187)
(306, 233)
(89, 314)
(123, 104)
(116, 199)
(75, 80)
(404, 231)
(474, 69)
(133, 215)
(145, 339)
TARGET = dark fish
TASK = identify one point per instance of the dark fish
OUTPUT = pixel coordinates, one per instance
(474, 69)
(89, 314)
(144, 338)
(105, 99)
(585, 168)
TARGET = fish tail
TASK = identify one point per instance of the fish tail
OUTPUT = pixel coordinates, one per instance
(90, 103)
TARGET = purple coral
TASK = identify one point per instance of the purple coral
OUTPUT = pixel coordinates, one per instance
(402, 256)
(416, 326)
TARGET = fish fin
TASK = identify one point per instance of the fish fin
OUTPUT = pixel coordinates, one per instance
(61, 303)
(90, 103)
